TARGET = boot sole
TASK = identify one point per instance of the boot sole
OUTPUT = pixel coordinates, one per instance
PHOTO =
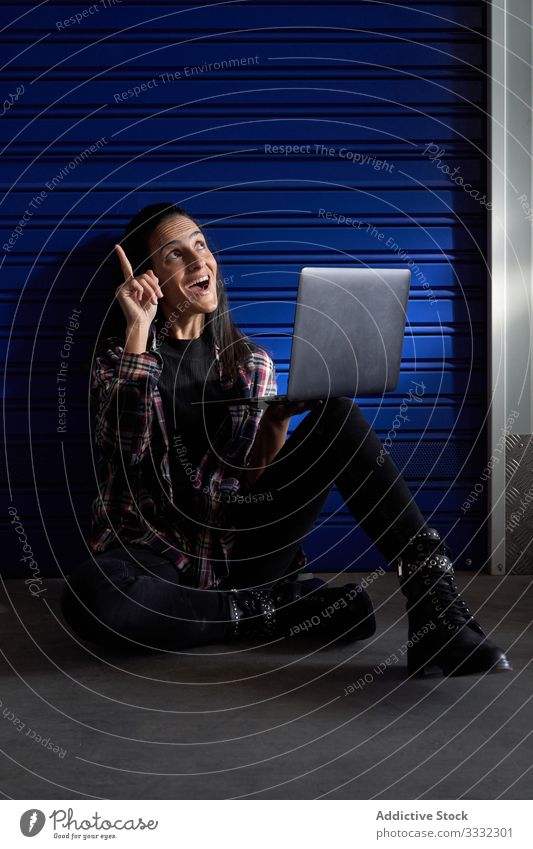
(434, 669)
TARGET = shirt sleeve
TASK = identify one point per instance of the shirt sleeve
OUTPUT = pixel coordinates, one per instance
(122, 389)
(271, 387)
(265, 379)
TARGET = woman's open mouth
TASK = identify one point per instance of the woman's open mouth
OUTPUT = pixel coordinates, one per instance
(200, 285)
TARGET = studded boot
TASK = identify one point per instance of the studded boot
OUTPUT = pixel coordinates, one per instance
(306, 609)
(443, 634)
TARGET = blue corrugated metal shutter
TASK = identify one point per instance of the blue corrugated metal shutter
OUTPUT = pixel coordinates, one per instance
(368, 87)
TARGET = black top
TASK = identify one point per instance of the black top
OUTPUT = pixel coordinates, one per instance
(190, 373)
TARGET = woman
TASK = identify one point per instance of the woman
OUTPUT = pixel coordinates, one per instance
(197, 531)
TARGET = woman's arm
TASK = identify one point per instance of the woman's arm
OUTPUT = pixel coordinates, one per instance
(270, 437)
(274, 424)
(123, 388)
(123, 379)
(272, 434)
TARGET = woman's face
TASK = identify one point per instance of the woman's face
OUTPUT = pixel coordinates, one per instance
(186, 268)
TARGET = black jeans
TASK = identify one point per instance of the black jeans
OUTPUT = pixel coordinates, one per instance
(134, 597)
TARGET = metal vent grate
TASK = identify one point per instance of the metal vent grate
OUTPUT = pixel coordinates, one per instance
(424, 459)
(519, 504)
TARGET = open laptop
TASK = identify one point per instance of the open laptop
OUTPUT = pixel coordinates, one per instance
(348, 335)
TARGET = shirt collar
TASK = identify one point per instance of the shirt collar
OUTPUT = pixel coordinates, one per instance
(153, 345)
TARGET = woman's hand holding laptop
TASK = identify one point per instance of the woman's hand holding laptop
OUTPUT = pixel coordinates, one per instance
(281, 410)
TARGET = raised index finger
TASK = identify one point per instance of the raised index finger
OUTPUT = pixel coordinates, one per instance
(124, 262)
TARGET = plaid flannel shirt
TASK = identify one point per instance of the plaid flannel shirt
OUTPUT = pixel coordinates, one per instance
(131, 435)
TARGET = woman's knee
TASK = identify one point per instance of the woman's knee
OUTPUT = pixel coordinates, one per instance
(336, 412)
(96, 578)
(92, 598)
(80, 615)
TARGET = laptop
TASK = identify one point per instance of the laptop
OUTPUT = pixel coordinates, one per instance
(348, 335)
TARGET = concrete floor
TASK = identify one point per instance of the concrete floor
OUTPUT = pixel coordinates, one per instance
(279, 722)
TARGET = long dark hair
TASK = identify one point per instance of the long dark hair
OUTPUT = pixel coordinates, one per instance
(219, 328)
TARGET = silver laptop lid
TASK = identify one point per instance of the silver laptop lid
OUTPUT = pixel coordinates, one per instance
(348, 332)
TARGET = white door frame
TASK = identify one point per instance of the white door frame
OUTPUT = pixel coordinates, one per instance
(510, 231)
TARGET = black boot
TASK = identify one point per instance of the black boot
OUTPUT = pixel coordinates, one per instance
(442, 631)
(303, 609)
